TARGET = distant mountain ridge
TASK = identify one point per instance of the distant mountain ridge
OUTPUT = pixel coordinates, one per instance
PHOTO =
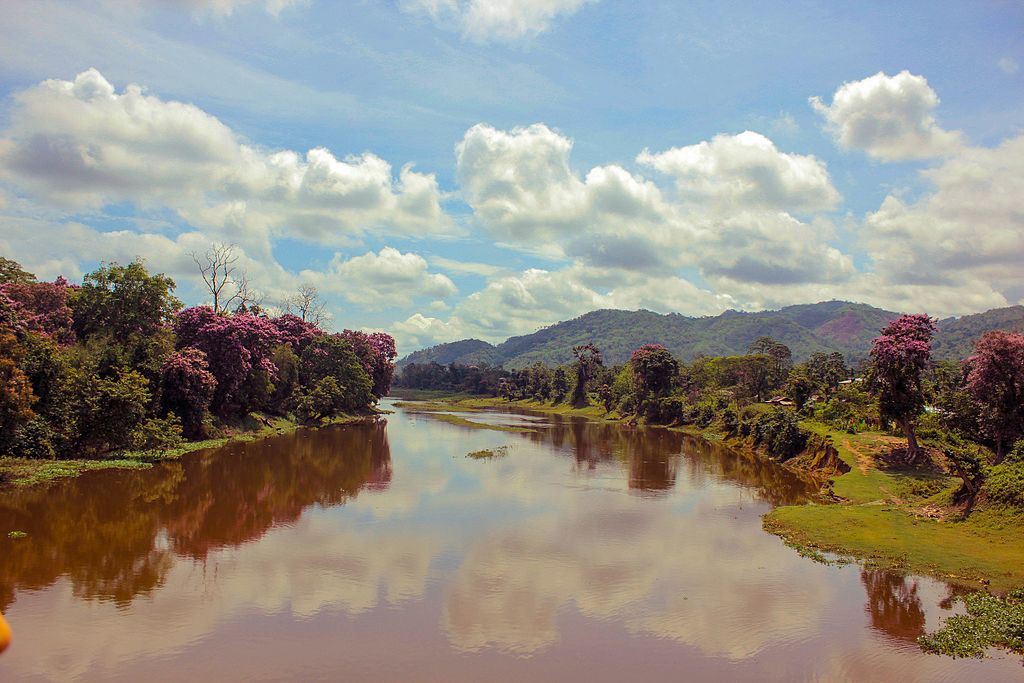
(806, 328)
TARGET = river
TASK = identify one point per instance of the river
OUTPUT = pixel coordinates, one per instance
(381, 552)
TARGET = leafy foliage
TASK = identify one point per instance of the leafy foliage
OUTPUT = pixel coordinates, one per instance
(990, 621)
(111, 365)
(118, 301)
(995, 380)
(188, 388)
(899, 358)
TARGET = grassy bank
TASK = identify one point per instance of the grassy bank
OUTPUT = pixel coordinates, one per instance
(481, 403)
(23, 472)
(905, 519)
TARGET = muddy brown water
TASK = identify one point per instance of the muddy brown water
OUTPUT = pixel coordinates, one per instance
(380, 552)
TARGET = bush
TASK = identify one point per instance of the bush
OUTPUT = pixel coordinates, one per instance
(1004, 484)
(667, 410)
(157, 434)
(730, 421)
(779, 432)
(34, 440)
(326, 400)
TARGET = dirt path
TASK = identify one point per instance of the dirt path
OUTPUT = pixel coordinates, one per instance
(864, 461)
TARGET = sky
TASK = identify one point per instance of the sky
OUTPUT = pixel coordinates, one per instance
(446, 169)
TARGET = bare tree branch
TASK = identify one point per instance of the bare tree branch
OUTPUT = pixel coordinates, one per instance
(308, 305)
(227, 285)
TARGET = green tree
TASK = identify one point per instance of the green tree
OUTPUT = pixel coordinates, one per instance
(799, 387)
(11, 272)
(121, 301)
(332, 356)
(588, 360)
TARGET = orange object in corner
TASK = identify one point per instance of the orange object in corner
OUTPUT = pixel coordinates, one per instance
(5, 634)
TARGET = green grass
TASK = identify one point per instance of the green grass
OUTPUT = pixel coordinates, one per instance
(21, 472)
(877, 521)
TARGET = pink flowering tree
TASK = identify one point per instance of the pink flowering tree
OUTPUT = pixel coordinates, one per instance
(43, 307)
(995, 379)
(899, 358)
(188, 387)
(376, 353)
(237, 347)
(295, 332)
(654, 370)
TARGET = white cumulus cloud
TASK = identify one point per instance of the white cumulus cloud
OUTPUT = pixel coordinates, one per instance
(385, 278)
(889, 118)
(747, 170)
(81, 144)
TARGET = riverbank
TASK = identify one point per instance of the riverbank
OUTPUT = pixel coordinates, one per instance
(888, 516)
(906, 519)
(25, 472)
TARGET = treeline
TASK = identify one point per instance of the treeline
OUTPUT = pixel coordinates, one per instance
(116, 363)
(481, 380)
(972, 411)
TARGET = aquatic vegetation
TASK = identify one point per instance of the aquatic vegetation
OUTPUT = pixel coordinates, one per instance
(989, 622)
(487, 453)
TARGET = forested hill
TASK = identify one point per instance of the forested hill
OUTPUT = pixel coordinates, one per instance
(826, 326)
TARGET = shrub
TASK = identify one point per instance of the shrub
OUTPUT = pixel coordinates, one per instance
(667, 410)
(780, 433)
(730, 421)
(34, 439)
(157, 434)
(188, 387)
(326, 400)
(1004, 483)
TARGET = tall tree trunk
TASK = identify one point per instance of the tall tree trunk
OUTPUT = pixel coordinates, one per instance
(1000, 450)
(913, 450)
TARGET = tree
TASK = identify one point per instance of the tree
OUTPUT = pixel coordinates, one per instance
(16, 397)
(899, 358)
(333, 356)
(42, 307)
(995, 379)
(308, 305)
(237, 348)
(107, 410)
(118, 301)
(377, 353)
(588, 360)
(781, 359)
(295, 332)
(559, 385)
(11, 272)
(654, 370)
(799, 388)
(227, 284)
(188, 387)
(827, 370)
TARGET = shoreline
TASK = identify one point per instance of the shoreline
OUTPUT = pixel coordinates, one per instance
(889, 518)
(23, 473)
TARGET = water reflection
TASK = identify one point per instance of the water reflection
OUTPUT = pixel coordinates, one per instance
(893, 605)
(686, 578)
(589, 551)
(115, 534)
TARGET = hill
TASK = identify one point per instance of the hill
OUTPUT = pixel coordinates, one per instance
(464, 352)
(827, 326)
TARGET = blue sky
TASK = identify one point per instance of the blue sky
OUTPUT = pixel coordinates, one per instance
(566, 154)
